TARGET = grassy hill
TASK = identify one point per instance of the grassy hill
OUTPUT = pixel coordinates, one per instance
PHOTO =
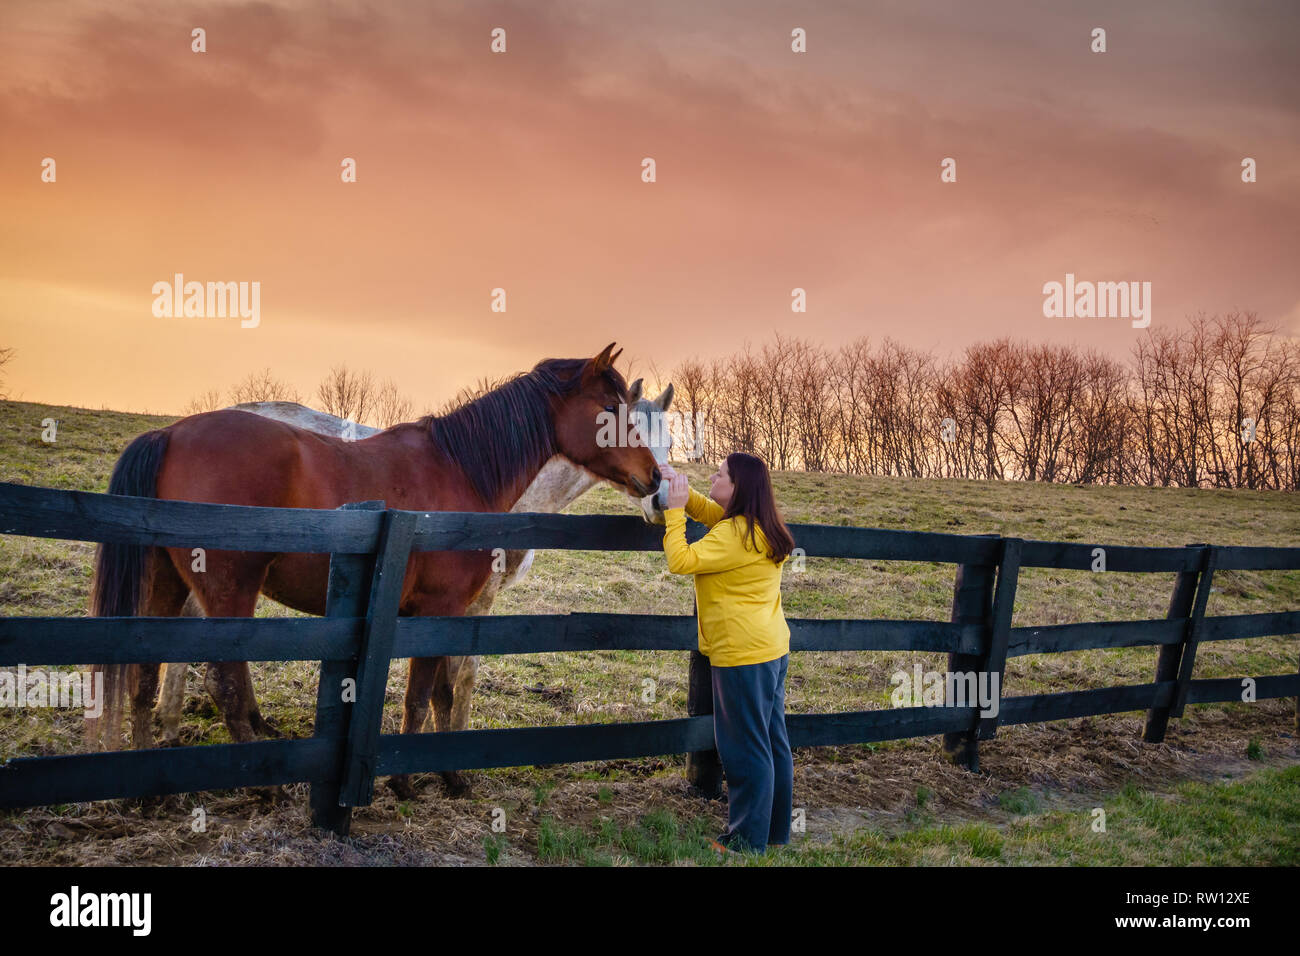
(40, 577)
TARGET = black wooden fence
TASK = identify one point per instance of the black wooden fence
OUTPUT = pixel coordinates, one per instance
(361, 633)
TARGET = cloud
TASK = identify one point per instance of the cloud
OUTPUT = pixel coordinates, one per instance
(776, 170)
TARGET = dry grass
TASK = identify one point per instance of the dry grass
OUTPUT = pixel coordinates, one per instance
(842, 789)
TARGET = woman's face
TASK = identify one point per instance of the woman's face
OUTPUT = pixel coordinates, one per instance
(722, 488)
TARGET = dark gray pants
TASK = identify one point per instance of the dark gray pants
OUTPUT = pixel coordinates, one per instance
(749, 731)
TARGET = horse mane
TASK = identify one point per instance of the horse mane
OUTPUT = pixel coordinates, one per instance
(500, 431)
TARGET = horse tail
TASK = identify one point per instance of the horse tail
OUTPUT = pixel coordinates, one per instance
(120, 572)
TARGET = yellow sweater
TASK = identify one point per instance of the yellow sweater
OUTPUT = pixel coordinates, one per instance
(737, 590)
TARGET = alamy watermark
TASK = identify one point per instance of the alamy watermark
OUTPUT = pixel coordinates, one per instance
(637, 429)
(74, 908)
(947, 689)
(198, 300)
(39, 688)
(1100, 300)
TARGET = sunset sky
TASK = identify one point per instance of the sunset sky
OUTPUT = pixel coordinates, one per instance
(522, 170)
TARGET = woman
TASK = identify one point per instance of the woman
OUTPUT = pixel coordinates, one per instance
(742, 630)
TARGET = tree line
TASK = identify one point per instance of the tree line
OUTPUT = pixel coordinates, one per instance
(1215, 403)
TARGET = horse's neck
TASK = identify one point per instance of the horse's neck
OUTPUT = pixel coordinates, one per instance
(556, 485)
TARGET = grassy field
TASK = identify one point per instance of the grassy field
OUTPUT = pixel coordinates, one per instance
(892, 802)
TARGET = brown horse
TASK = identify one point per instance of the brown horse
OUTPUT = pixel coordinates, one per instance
(480, 457)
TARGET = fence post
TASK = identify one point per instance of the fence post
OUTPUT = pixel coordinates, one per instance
(703, 767)
(972, 603)
(1188, 661)
(349, 592)
(396, 535)
(1180, 606)
(1004, 602)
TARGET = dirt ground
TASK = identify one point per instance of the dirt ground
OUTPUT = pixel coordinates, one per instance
(1071, 764)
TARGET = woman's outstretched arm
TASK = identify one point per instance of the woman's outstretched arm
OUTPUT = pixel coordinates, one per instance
(719, 550)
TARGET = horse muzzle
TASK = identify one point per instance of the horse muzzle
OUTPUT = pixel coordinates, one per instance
(642, 489)
(661, 496)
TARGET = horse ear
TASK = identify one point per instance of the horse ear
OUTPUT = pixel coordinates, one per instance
(634, 391)
(665, 398)
(600, 363)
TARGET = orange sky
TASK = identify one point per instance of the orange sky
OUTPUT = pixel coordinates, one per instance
(775, 170)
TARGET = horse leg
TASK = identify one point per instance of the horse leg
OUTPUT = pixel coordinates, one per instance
(447, 678)
(229, 588)
(261, 726)
(429, 678)
(463, 682)
(164, 596)
(172, 699)
(230, 684)
(453, 694)
(142, 689)
(415, 711)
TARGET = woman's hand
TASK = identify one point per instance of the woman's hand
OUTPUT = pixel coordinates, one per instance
(679, 492)
(668, 471)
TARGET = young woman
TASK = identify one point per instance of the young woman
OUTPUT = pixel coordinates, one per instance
(742, 630)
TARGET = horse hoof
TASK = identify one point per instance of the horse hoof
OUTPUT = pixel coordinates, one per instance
(402, 787)
(457, 785)
(267, 729)
(147, 805)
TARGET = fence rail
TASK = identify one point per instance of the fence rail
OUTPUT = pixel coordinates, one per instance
(362, 632)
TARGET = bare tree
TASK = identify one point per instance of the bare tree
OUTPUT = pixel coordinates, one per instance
(263, 387)
(1286, 459)
(691, 386)
(847, 374)
(208, 401)
(809, 394)
(984, 390)
(346, 394)
(1215, 402)
(6, 356)
(1042, 386)
(1103, 426)
(390, 406)
(774, 401)
(1246, 367)
(957, 441)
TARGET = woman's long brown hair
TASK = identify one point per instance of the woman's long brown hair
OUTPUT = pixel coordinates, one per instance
(753, 499)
